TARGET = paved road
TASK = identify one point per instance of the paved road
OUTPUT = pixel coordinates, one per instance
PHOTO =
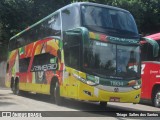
(33, 102)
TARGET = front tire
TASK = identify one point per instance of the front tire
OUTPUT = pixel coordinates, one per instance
(16, 87)
(12, 84)
(156, 101)
(58, 98)
(103, 104)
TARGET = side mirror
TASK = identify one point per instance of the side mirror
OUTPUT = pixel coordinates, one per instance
(71, 38)
(154, 44)
(74, 34)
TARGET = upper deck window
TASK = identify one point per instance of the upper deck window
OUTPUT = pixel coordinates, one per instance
(70, 18)
(111, 20)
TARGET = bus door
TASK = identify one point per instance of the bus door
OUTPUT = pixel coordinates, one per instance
(72, 58)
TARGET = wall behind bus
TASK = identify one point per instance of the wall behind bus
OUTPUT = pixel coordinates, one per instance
(2, 73)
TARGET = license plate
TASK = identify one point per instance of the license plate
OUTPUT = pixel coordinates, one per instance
(114, 99)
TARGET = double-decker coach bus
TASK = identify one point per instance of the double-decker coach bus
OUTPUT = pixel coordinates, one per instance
(150, 72)
(84, 51)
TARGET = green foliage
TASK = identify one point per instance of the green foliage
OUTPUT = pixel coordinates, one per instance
(145, 12)
(16, 15)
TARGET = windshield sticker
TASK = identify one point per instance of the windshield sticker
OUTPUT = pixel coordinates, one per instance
(96, 79)
(101, 44)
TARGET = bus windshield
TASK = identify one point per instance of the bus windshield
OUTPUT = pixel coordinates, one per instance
(112, 61)
(110, 21)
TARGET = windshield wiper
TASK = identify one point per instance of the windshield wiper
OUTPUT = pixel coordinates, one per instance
(100, 75)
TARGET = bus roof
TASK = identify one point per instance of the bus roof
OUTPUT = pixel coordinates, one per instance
(73, 4)
(94, 4)
(154, 36)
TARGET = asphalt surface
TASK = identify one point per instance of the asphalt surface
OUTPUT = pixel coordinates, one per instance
(71, 108)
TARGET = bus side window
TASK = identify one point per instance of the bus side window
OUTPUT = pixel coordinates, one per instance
(53, 26)
(72, 51)
(158, 57)
(20, 42)
(12, 45)
(70, 18)
(147, 52)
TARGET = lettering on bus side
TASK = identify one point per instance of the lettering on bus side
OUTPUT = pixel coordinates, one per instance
(44, 67)
(44, 62)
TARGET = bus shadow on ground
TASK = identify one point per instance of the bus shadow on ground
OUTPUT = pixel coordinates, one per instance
(147, 103)
(84, 109)
(78, 105)
(3, 99)
(6, 104)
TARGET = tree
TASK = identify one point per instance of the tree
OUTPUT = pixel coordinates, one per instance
(145, 12)
(16, 15)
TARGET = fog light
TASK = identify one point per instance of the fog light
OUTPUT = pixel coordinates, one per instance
(137, 96)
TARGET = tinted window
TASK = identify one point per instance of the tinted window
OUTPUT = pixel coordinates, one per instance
(70, 18)
(12, 44)
(50, 27)
(147, 52)
(108, 60)
(23, 64)
(72, 50)
(113, 21)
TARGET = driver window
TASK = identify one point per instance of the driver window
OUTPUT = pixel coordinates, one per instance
(72, 50)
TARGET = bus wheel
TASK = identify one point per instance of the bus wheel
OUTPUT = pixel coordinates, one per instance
(12, 84)
(16, 87)
(103, 104)
(52, 92)
(156, 101)
(58, 98)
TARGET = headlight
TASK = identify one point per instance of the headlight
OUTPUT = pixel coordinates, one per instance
(91, 83)
(79, 78)
(137, 85)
